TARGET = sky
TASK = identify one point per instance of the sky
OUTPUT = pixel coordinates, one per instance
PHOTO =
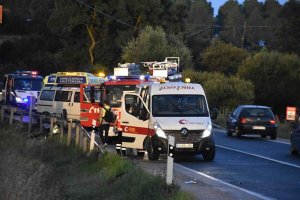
(217, 3)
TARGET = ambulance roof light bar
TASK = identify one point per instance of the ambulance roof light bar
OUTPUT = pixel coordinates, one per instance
(132, 77)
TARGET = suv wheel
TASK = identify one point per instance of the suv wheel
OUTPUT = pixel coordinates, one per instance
(293, 150)
(209, 152)
(273, 136)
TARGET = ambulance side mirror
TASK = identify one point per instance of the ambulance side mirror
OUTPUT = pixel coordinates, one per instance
(214, 113)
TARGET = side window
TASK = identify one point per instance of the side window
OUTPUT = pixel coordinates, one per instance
(47, 95)
(77, 97)
(130, 104)
(64, 96)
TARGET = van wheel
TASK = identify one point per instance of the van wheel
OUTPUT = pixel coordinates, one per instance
(152, 149)
(209, 154)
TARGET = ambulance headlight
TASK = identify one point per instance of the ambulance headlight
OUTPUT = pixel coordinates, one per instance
(159, 132)
(19, 100)
(207, 131)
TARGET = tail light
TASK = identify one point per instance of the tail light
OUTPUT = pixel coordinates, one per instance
(272, 121)
(243, 120)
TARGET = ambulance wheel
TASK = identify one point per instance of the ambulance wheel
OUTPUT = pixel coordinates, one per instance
(209, 152)
(152, 149)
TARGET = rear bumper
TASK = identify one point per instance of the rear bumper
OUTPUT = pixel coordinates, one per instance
(250, 129)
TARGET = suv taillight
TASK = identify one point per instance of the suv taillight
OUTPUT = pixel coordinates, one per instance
(272, 121)
(243, 120)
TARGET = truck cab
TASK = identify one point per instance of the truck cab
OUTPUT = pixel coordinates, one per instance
(19, 85)
(155, 111)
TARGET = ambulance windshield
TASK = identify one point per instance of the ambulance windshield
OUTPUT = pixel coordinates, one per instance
(179, 106)
(115, 92)
(28, 84)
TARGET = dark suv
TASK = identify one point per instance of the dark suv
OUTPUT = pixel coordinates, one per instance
(252, 119)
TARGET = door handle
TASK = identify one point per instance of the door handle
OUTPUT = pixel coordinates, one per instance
(125, 122)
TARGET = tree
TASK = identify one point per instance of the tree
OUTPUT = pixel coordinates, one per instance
(223, 91)
(152, 44)
(199, 28)
(254, 21)
(275, 77)
(289, 32)
(223, 58)
(231, 22)
(272, 22)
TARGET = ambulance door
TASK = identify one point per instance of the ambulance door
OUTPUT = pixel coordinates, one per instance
(74, 112)
(62, 101)
(134, 121)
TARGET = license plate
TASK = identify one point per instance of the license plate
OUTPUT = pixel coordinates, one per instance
(184, 145)
(259, 127)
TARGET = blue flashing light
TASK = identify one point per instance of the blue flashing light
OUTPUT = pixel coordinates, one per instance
(25, 100)
(147, 77)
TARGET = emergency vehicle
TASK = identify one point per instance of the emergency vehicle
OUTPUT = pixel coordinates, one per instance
(167, 69)
(112, 90)
(155, 111)
(19, 85)
(63, 95)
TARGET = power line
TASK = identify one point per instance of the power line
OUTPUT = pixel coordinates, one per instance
(106, 15)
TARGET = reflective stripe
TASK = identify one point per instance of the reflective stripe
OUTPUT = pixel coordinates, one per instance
(118, 147)
(123, 149)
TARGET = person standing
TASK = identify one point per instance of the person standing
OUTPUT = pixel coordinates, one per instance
(104, 125)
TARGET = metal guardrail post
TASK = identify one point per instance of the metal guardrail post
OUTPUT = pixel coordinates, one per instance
(41, 123)
(52, 121)
(84, 143)
(21, 116)
(93, 136)
(69, 133)
(77, 132)
(3, 112)
(11, 116)
(61, 123)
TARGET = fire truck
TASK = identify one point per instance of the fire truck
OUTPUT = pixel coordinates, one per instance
(112, 90)
(19, 85)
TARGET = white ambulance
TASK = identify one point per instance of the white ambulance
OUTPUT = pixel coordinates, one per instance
(61, 94)
(155, 111)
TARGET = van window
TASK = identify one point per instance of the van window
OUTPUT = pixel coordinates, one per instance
(47, 95)
(179, 106)
(77, 97)
(64, 96)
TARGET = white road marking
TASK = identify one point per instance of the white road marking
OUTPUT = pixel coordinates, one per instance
(261, 196)
(263, 157)
(278, 141)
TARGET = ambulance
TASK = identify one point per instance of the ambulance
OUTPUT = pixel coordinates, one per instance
(61, 94)
(112, 90)
(19, 85)
(155, 111)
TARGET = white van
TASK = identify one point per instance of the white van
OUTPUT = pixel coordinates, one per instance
(155, 111)
(54, 99)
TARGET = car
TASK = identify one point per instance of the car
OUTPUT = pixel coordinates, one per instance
(295, 140)
(254, 120)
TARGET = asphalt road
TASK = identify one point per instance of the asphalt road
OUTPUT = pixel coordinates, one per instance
(259, 167)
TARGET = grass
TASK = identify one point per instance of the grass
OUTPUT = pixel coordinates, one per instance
(48, 169)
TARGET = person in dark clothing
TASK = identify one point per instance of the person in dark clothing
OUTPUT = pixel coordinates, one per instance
(104, 125)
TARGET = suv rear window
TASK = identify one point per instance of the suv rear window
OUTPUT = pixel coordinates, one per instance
(257, 112)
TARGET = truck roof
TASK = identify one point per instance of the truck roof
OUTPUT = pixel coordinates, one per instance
(175, 88)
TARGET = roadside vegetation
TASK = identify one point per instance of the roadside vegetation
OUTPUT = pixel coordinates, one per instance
(35, 168)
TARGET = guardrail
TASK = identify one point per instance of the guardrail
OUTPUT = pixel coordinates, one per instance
(82, 138)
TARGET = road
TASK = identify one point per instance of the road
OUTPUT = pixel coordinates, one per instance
(260, 167)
